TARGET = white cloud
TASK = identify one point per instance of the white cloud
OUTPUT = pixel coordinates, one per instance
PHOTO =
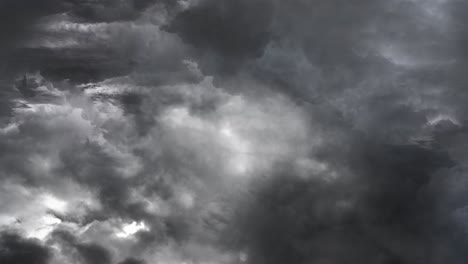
(127, 230)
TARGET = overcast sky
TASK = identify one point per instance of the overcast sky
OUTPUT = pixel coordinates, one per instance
(233, 131)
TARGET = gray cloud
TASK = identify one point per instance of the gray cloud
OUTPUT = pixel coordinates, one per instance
(233, 31)
(384, 213)
(110, 10)
(132, 261)
(16, 249)
(18, 17)
(86, 253)
(233, 131)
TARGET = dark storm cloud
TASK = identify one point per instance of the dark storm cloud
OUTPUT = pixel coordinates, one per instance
(455, 78)
(112, 10)
(320, 53)
(71, 64)
(313, 50)
(89, 165)
(91, 61)
(240, 30)
(17, 18)
(231, 31)
(14, 249)
(385, 213)
(85, 253)
(108, 10)
(132, 261)
(242, 131)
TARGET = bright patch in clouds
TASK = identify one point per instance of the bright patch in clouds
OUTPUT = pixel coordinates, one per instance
(242, 136)
(53, 203)
(131, 229)
(43, 227)
(239, 161)
(436, 119)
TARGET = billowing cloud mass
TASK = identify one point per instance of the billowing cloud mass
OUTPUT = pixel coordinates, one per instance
(233, 131)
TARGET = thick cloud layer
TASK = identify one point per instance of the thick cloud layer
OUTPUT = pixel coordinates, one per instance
(15, 249)
(203, 131)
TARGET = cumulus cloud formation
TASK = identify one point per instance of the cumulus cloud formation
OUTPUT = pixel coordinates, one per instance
(222, 131)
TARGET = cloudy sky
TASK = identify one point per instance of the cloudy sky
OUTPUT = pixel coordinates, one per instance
(233, 131)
